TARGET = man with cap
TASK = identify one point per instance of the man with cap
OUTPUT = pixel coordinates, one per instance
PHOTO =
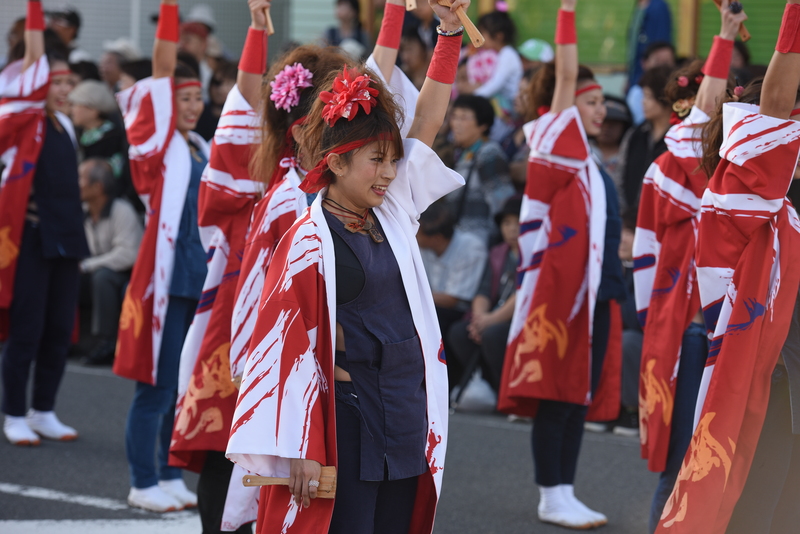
(66, 23)
(534, 52)
(194, 41)
(115, 53)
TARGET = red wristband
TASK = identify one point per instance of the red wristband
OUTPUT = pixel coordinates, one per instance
(168, 23)
(565, 28)
(718, 63)
(34, 21)
(789, 37)
(254, 54)
(391, 26)
(444, 63)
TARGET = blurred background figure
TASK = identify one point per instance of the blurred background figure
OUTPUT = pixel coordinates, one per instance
(194, 41)
(657, 54)
(515, 145)
(115, 53)
(66, 22)
(534, 52)
(423, 21)
(84, 70)
(222, 81)
(414, 57)
(651, 23)
(607, 146)
(348, 33)
(14, 36)
(113, 231)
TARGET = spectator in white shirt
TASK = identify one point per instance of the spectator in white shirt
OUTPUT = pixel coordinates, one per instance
(114, 231)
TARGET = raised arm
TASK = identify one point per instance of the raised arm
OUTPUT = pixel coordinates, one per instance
(779, 91)
(566, 58)
(165, 47)
(253, 63)
(34, 34)
(435, 92)
(388, 43)
(717, 66)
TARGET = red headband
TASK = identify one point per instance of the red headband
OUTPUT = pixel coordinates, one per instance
(795, 112)
(588, 88)
(316, 179)
(64, 72)
(287, 153)
(190, 83)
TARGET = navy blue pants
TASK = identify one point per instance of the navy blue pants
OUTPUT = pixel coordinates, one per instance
(365, 507)
(558, 426)
(152, 413)
(42, 318)
(694, 352)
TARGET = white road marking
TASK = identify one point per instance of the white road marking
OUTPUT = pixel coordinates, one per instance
(173, 523)
(54, 495)
(94, 371)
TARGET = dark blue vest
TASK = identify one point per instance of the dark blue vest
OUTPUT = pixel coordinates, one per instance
(384, 358)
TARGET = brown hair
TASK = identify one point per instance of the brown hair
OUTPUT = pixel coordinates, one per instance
(543, 86)
(380, 123)
(276, 122)
(673, 92)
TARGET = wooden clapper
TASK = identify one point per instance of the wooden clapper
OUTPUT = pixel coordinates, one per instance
(326, 489)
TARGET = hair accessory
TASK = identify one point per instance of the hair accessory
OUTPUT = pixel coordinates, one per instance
(590, 87)
(565, 28)
(190, 83)
(683, 106)
(287, 85)
(455, 33)
(350, 90)
(683, 81)
(501, 6)
(543, 110)
(254, 53)
(698, 79)
(718, 64)
(738, 91)
(391, 26)
(168, 23)
(789, 37)
(34, 21)
(735, 7)
(316, 179)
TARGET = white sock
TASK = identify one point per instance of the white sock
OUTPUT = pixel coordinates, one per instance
(568, 492)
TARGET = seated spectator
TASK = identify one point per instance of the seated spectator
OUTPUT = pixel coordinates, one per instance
(645, 143)
(414, 57)
(115, 53)
(114, 232)
(657, 54)
(482, 338)
(92, 107)
(453, 261)
(607, 146)
(534, 52)
(348, 15)
(222, 82)
(483, 165)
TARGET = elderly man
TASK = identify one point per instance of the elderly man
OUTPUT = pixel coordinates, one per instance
(114, 231)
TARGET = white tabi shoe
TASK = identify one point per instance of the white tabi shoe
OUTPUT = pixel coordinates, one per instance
(556, 509)
(177, 489)
(19, 433)
(153, 499)
(47, 425)
(568, 491)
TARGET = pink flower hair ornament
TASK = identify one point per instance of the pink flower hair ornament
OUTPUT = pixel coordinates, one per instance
(350, 91)
(287, 85)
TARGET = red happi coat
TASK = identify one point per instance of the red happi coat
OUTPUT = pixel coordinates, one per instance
(667, 297)
(206, 395)
(562, 237)
(272, 218)
(286, 406)
(748, 254)
(161, 169)
(22, 115)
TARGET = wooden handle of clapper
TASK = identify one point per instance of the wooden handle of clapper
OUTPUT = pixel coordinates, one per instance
(474, 35)
(743, 33)
(270, 27)
(326, 489)
(411, 5)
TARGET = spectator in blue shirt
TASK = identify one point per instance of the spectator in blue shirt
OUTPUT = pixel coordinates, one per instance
(651, 23)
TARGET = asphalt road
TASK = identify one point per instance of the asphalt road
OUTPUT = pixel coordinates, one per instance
(488, 484)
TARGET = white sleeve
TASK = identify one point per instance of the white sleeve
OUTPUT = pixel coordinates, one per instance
(508, 63)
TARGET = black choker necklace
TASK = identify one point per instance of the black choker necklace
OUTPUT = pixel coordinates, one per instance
(359, 223)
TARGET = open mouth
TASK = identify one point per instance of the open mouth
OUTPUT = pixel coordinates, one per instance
(379, 189)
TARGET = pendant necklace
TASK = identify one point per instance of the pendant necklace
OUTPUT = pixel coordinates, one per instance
(359, 222)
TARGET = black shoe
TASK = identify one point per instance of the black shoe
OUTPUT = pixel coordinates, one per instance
(103, 353)
(627, 424)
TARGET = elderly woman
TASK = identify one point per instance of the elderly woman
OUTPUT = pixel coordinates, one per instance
(345, 360)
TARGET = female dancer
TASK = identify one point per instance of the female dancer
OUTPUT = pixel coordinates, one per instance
(565, 321)
(663, 249)
(41, 235)
(167, 161)
(348, 278)
(741, 468)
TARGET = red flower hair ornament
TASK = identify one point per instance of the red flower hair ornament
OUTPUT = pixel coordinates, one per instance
(350, 90)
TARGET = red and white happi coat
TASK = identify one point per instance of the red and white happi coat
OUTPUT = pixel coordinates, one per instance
(748, 254)
(22, 114)
(665, 281)
(286, 405)
(161, 168)
(561, 241)
(274, 215)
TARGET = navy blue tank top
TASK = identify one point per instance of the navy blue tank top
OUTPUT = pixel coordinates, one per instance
(383, 356)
